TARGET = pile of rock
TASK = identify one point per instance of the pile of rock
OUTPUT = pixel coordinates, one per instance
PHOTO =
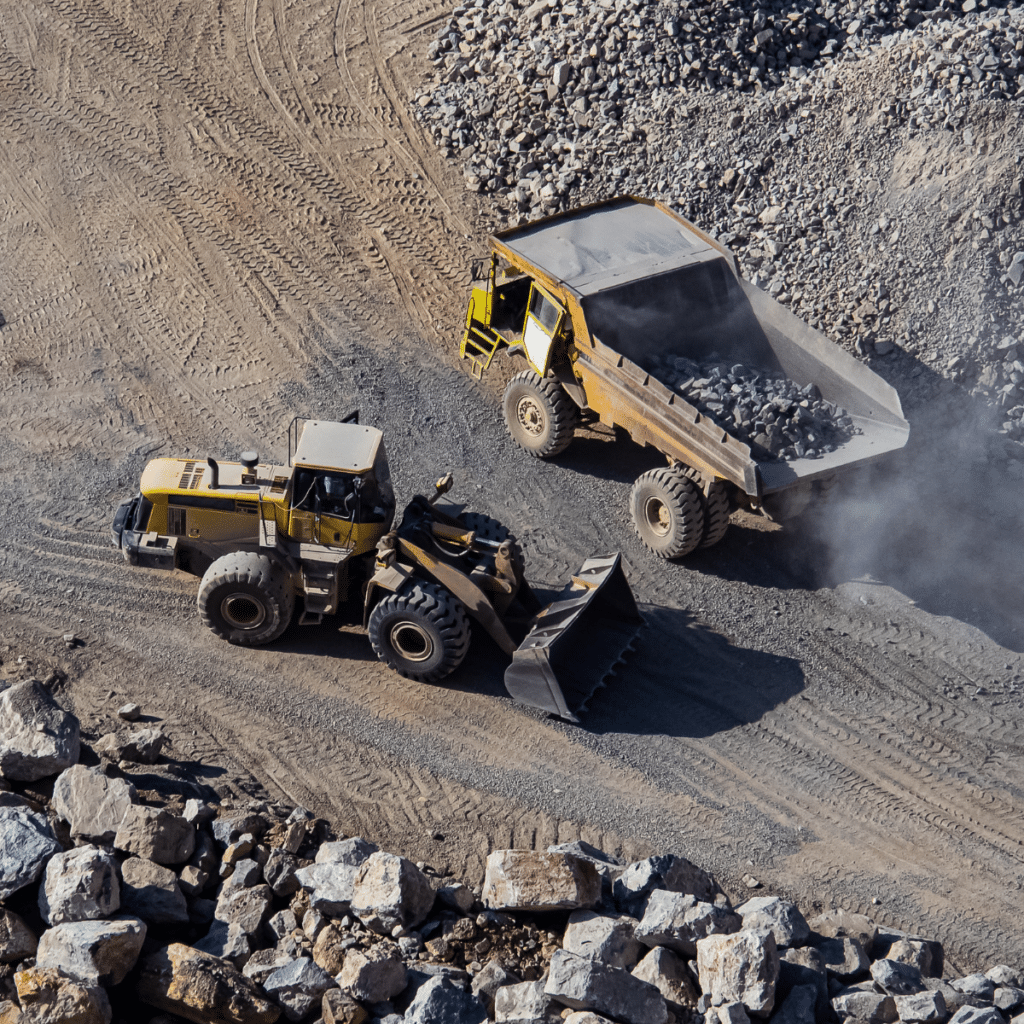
(762, 408)
(112, 909)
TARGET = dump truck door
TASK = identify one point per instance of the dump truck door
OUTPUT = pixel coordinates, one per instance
(544, 318)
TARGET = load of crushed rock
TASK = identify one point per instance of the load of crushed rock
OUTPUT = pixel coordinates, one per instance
(117, 910)
(765, 409)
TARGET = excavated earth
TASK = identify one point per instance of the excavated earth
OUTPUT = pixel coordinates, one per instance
(216, 217)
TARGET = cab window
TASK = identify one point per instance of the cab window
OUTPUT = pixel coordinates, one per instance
(545, 311)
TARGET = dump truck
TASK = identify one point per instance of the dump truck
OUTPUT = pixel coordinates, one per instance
(593, 303)
(319, 530)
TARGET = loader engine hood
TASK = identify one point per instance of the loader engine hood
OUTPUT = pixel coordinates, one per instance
(194, 476)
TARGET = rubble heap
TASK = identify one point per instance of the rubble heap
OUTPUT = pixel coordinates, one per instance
(120, 907)
(764, 409)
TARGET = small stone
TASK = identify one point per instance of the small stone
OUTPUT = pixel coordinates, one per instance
(782, 918)
(844, 957)
(668, 973)
(440, 1001)
(129, 712)
(339, 1008)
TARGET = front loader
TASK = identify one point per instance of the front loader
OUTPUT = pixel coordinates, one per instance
(319, 531)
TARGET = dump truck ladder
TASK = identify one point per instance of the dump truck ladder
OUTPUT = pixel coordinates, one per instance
(479, 344)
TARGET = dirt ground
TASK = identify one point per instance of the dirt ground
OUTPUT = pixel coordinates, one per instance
(216, 216)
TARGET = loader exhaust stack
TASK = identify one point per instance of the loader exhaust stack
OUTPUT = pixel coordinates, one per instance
(576, 641)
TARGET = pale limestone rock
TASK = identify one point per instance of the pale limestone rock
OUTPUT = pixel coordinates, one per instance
(528, 880)
(740, 968)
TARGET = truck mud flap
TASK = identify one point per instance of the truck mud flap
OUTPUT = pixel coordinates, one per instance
(576, 641)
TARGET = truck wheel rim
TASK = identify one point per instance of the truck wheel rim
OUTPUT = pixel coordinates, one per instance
(657, 516)
(530, 416)
(243, 611)
(411, 641)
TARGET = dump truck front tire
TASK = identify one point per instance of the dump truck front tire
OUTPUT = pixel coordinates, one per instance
(422, 633)
(245, 598)
(668, 512)
(539, 415)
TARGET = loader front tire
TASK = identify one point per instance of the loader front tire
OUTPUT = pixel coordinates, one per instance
(422, 633)
(487, 528)
(245, 598)
(668, 512)
(539, 415)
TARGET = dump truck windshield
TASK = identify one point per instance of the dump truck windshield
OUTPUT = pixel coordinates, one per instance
(694, 311)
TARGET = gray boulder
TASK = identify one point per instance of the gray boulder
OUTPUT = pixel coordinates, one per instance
(910, 951)
(91, 803)
(196, 874)
(79, 885)
(151, 892)
(606, 937)
(373, 975)
(520, 1002)
(141, 746)
(782, 918)
(1002, 974)
(237, 923)
(279, 872)
(298, 987)
(978, 985)
(798, 1007)
(584, 984)
(330, 881)
(157, 834)
(921, 1008)
(229, 830)
(668, 973)
(803, 966)
(837, 923)
(17, 940)
(98, 952)
(534, 881)
(668, 872)
(844, 957)
(26, 844)
(1007, 998)
(440, 1001)
(895, 978)
(865, 1005)
(679, 920)
(390, 891)
(977, 1015)
(741, 968)
(488, 981)
(37, 736)
(262, 964)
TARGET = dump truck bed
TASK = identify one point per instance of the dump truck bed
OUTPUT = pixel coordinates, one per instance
(650, 285)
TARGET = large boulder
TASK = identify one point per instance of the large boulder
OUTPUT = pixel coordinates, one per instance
(390, 891)
(487, 982)
(142, 746)
(679, 920)
(668, 872)
(79, 885)
(799, 1006)
(525, 1001)
(844, 957)
(977, 1015)
(532, 881)
(895, 978)
(279, 872)
(778, 916)
(157, 834)
(49, 996)
(606, 937)
(201, 988)
(373, 975)
(237, 923)
(921, 1008)
(862, 1004)
(440, 1001)
(741, 968)
(668, 973)
(837, 923)
(151, 892)
(584, 984)
(298, 987)
(330, 881)
(91, 803)
(17, 940)
(37, 736)
(339, 1008)
(26, 844)
(98, 952)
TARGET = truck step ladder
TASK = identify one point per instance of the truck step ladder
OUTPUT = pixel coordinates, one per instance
(319, 582)
(484, 342)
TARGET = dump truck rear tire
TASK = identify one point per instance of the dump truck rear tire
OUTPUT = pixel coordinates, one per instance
(245, 598)
(668, 512)
(539, 415)
(422, 633)
(716, 513)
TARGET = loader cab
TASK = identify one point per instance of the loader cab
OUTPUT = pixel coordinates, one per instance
(341, 493)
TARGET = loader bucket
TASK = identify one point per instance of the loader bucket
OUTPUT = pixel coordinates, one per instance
(576, 640)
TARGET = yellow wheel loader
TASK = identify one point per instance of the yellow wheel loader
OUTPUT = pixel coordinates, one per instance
(319, 531)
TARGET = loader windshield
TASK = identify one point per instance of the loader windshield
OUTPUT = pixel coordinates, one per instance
(694, 311)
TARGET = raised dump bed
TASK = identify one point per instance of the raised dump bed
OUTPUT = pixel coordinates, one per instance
(604, 301)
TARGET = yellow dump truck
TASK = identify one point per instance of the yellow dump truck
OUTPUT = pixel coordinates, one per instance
(595, 302)
(319, 530)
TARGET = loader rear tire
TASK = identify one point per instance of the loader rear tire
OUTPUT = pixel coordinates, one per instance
(422, 633)
(539, 415)
(716, 513)
(668, 512)
(245, 598)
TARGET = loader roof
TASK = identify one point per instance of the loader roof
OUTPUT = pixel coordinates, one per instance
(348, 447)
(610, 244)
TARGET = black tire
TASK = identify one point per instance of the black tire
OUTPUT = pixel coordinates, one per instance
(668, 512)
(487, 528)
(422, 633)
(539, 415)
(245, 598)
(717, 509)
